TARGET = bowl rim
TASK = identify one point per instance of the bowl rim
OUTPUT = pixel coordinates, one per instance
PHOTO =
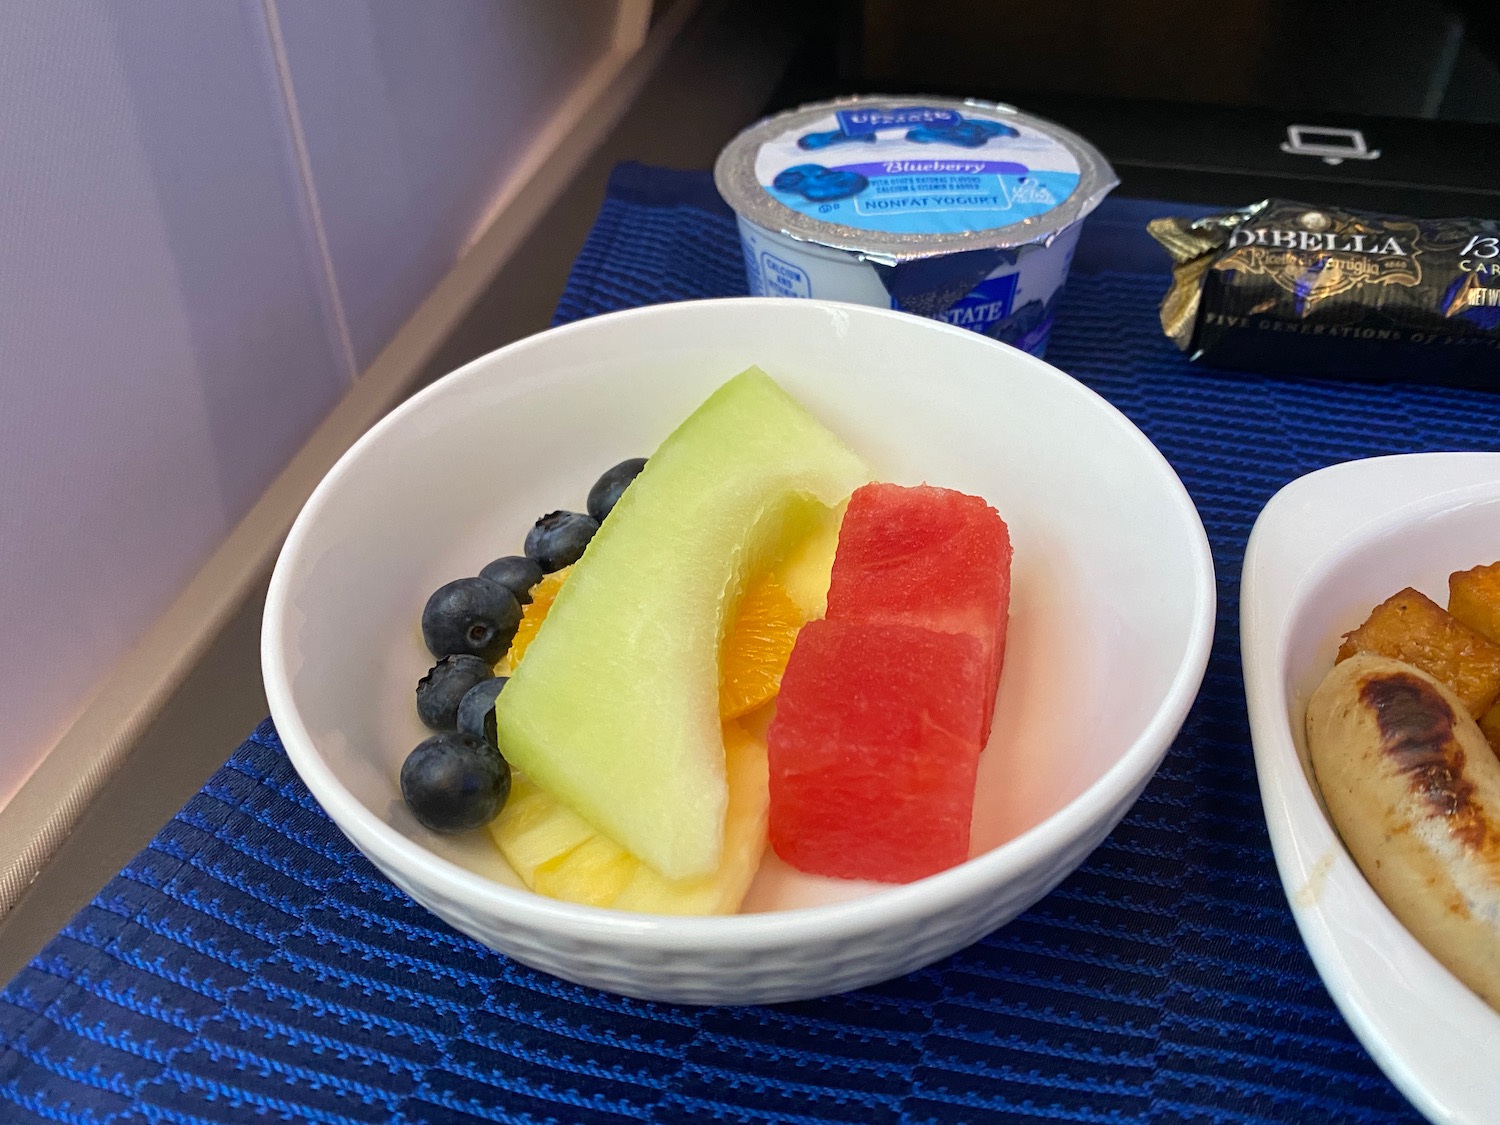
(1404, 490)
(891, 904)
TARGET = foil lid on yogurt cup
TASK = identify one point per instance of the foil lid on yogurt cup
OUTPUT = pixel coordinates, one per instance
(897, 180)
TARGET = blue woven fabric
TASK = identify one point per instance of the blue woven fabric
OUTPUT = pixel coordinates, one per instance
(249, 964)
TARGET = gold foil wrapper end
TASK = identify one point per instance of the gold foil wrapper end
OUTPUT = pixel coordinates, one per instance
(1179, 308)
(1190, 247)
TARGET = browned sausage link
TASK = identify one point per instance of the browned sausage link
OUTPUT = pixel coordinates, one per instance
(1414, 791)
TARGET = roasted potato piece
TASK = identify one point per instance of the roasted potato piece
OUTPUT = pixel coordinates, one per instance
(1411, 627)
(1489, 726)
(1474, 598)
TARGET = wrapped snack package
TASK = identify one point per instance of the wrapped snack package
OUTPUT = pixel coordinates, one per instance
(1285, 287)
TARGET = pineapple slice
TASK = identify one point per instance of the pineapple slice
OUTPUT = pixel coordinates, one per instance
(557, 854)
(533, 829)
(593, 873)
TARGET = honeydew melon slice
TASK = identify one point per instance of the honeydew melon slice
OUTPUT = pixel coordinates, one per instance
(615, 709)
(722, 891)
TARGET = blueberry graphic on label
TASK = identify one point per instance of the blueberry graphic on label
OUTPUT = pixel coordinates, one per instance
(968, 132)
(819, 184)
(993, 128)
(792, 179)
(834, 185)
(964, 134)
(924, 135)
(810, 141)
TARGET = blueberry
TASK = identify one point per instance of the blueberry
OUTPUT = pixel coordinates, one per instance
(558, 539)
(473, 616)
(476, 713)
(516, 573)
(444, 687)
(611, 486)
(454, 782)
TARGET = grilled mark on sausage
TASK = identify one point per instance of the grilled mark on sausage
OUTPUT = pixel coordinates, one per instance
(1416, 731)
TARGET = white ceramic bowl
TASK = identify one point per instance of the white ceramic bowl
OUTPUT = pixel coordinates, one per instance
(1328, 548)
(1111, 619)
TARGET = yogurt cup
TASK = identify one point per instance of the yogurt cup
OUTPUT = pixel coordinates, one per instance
(961, 210)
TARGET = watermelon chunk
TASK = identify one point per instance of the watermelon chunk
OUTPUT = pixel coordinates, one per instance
(886, 703)
(926, 556)
(874, 750)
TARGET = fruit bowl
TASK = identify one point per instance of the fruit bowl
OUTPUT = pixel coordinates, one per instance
(1111, 619)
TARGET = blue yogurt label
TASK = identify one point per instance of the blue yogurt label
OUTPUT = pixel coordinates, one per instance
(917, 170)
(987, 303)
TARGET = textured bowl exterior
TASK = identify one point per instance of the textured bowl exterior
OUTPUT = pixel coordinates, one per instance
(1104, 533)
(778, 967)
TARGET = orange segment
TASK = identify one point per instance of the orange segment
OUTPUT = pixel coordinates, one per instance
(543, 594)
(754, 653)
(757, 648)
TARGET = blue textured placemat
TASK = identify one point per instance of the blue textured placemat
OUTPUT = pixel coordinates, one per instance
(250, 963)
